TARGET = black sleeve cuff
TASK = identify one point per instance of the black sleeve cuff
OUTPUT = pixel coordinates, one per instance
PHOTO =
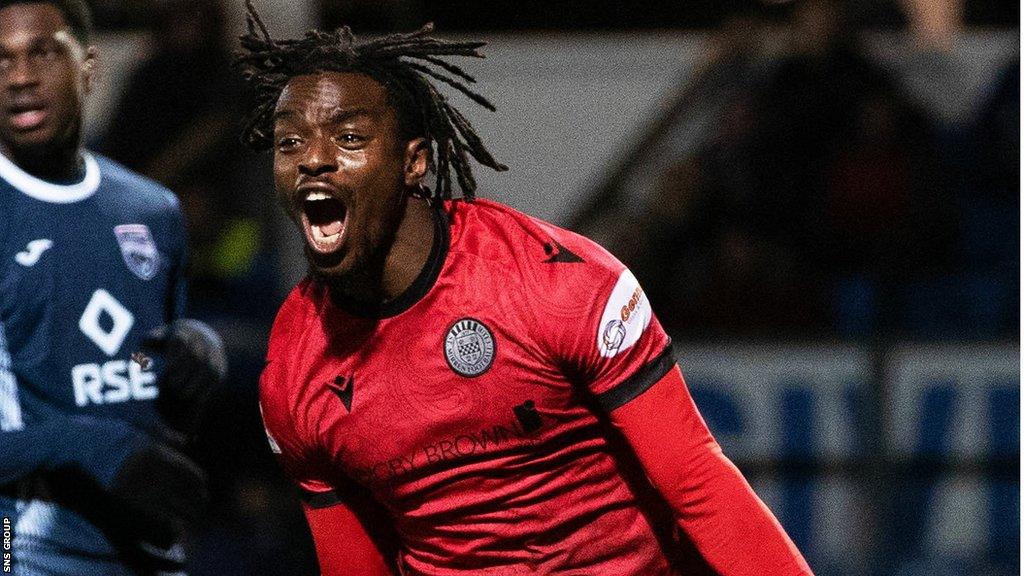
(320, 499)
(639, 382)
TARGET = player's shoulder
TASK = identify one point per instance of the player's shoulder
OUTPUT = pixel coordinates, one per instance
(561, 278)
(549, 258)
(502, 232)
(134, 189)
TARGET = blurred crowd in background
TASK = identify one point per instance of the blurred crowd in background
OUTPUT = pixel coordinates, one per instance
(825, 200)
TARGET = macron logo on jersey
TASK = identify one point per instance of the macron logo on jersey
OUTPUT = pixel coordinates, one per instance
(625, 317)
(33, 252)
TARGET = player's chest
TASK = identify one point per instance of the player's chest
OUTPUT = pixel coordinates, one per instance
(412, 400)
(56, 250)
(97, 276)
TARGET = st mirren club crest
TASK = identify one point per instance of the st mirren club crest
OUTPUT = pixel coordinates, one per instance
(469, 347)
(138, 249)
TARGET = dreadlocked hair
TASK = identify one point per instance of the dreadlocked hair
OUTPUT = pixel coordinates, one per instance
(402, 63)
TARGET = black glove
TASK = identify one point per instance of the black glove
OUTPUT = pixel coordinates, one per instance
(163, 492)
(141, 493)
(195, 365)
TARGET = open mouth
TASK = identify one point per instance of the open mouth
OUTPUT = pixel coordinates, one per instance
(324, 220)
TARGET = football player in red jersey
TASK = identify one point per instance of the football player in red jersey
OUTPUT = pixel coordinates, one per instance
(459, 388)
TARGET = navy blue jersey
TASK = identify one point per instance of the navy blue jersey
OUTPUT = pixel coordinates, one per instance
(86, 270)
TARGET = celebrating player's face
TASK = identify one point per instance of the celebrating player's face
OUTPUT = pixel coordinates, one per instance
(44, 75)
(338, 168)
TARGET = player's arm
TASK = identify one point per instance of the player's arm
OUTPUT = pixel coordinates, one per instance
(160, 489)
(621, 354)
(92, 445)
(711, 501)
(351, 537)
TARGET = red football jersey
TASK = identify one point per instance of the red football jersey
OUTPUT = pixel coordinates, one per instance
(470, 407)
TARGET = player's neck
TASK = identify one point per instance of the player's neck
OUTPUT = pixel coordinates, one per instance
(410, 250)
(401, 266)
(59, 165)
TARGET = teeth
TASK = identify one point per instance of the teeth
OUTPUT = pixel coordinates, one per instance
(314, 196)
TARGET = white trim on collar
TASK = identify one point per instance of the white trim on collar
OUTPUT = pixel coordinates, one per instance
(49, 192)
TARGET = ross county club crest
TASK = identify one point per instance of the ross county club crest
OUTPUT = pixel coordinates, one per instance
(138, 249)
(469, 347)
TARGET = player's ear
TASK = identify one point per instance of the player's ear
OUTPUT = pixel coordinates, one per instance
(89, 68)
(417, 152)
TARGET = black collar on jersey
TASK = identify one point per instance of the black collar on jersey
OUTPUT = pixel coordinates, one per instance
(420, 286)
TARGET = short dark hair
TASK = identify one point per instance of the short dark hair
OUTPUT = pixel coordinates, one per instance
(399, 63)
(76, 14)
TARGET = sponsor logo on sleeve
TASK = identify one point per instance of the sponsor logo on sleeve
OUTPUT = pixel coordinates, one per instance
(626, 316)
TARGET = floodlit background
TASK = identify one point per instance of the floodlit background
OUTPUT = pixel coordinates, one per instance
(820, 197)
